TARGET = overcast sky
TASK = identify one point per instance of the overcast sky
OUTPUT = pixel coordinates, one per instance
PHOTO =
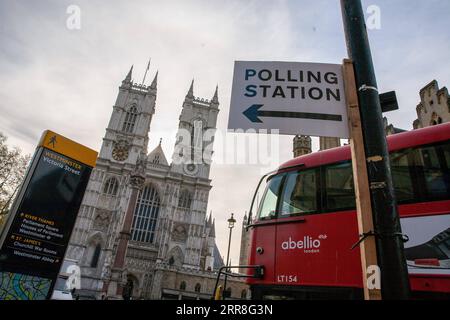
(67, 80)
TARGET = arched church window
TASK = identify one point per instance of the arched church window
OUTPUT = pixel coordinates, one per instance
(130, 120)
(244, 294)
(183, 285)
(96, 256)
(185, 200)
(198, 287)
(111, 186)
(146, 215)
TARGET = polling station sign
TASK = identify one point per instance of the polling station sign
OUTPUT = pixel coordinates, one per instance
(292, 97)
(35, 239)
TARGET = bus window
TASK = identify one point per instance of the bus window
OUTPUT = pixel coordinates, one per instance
(268, 205)
(340, 193)
(421, 174)
(299, 195)
(401, 175)
(436, 172)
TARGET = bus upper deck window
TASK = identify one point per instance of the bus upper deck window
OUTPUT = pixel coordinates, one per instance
(299, 195)
(434, 163)
(268, 205)
(422, 173)
(340, 192)
(406, 188)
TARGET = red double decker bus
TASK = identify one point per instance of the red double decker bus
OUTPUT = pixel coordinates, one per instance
(306, 224)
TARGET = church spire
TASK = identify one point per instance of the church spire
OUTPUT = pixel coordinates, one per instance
(212, 232)
(210, 219)
(215, 98)
(190, 93)
(128, 77)
(155, 81)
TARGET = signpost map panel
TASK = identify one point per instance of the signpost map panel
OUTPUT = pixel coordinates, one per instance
(16, 286)
(42, 218)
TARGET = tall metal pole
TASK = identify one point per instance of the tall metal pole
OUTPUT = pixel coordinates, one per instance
(231, 222)
(389, 240)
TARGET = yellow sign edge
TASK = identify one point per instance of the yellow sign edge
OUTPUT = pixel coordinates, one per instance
(65, 146)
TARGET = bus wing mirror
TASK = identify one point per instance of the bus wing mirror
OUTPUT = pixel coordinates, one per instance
(259, 272)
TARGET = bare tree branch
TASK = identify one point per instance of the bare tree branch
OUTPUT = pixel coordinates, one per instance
(12, 170)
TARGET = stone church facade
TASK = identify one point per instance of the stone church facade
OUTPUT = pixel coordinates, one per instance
(148, 234)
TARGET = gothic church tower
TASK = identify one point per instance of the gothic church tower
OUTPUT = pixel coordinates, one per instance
(127, 132)
(189, 235)
(106, 197)
(301, 145)
(128, 239)
(197, 125)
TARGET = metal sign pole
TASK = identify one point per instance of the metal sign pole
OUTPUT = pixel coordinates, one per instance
(387, 229)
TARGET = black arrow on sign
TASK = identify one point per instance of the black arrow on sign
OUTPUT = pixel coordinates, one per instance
(253, 114)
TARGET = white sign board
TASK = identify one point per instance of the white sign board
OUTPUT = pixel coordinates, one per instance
(293, 97)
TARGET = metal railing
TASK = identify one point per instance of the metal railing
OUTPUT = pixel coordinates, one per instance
(258, 274)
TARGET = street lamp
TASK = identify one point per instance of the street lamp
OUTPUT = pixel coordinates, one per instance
(231, 223)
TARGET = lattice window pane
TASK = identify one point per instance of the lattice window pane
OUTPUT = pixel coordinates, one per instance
(146, 215)
(130, 120)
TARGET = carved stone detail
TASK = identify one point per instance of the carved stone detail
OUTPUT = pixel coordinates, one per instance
(179, 232)
(102, 220)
